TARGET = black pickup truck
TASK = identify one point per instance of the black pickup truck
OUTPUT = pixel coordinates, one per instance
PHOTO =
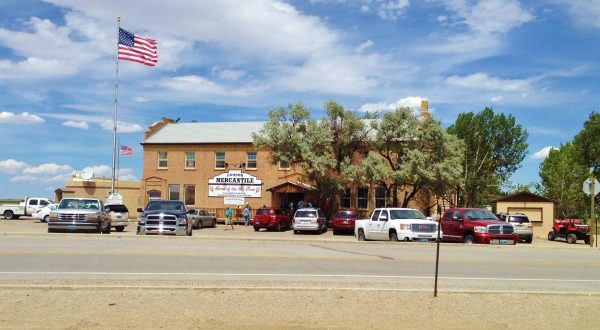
(165, 218)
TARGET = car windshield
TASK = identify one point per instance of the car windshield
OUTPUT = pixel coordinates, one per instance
(306, 214)
(117, 208)
(406, 214)
(519, 219)
(346, 214)
(165, 206)
(480, 215)
(264, 211)
(91, 204)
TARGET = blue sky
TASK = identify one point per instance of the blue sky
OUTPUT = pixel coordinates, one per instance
(235, 60)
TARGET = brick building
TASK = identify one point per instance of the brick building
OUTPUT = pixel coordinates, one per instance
(213, 165)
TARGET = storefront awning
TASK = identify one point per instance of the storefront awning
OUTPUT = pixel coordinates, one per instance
(291, 187)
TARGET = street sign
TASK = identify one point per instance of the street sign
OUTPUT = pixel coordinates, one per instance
(587, 186)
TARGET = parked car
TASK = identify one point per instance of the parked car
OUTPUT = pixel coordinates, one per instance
(523, 226)
(343, 221)
(396, 224)
(26, 207)
(43, 212)
(309, 219)
(472, 225)
(119, 215)
(271, 218)
(201, 218)
(80, 214)
(165, 217)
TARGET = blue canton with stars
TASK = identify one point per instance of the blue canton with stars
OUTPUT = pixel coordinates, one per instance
(125, 38)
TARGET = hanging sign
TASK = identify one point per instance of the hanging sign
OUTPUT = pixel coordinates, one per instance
(234, 183)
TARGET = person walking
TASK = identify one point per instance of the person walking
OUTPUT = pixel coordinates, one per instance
(229, 218)
(247, 215)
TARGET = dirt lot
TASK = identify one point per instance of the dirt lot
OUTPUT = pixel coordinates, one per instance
(63, 308)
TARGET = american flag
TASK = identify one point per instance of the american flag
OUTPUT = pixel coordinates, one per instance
(125, 150)
(135, 48)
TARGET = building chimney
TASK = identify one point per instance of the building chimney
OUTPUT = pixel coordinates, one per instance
(424, 108)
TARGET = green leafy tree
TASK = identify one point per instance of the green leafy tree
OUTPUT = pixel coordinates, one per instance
(414, 156)
(328, 150)
(562, 174)
(495, 147)
(587, 143)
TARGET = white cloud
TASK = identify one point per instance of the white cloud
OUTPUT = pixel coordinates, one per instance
(48, 168)
(364, 46)
(489, 16)
(24, 117)
(122, 127)
(412, 102)
(11, 166)
(45, 173)
(76, 124)
(496, 98)
(486, 82)
(228, 74)
(543, 153)
(584, 11)
(392, 9)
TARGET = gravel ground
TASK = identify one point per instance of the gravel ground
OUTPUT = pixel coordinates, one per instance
(217, 308)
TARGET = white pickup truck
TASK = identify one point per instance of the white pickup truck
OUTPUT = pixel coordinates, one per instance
(26, 207)
(396, 224)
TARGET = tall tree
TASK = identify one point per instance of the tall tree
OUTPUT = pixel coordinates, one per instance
(562, 174)
(328, 149)
(495, 147)
(414, 156)
(587, 143)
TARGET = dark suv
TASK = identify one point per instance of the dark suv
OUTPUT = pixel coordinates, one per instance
(522, 225)
(165, 218)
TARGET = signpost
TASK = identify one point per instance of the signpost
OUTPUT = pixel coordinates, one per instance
(591, 187)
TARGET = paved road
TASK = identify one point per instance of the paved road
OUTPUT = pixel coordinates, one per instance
(103, 260)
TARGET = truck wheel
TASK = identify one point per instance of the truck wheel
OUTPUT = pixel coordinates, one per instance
(586, 240)
(256, 229)
(571, 238)
(551, 236)
(214, 223)
(469, 239)
(120, 228)
(45, 219)
(8, 214)
(361, 235)
(393, 237)
(199, 226)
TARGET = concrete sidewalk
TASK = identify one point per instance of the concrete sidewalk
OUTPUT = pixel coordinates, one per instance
(30, 226)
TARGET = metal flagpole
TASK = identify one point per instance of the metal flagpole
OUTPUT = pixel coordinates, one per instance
(114, 156)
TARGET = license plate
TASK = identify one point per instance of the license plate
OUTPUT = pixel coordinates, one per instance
(424, 240)
(71, 227)
(345, 221)
(257, 222)
(305, 221)
(505, 241)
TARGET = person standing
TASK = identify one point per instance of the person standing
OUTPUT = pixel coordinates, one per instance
(300, 204)
(229, 218)
(247, 215)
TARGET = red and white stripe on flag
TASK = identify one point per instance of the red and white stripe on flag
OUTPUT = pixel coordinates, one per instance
(137, 49)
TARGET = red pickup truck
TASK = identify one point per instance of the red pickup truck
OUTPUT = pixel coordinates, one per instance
(471, 225)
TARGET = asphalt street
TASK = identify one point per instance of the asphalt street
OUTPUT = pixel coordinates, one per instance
(215, 259)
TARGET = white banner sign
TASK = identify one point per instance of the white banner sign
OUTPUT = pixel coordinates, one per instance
(229, 200)
(114, 198)
(234, 183)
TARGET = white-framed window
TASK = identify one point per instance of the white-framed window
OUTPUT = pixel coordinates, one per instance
(283, 165)
(189, 191)
(220, 159)
(362, 198)
(162, 159)
(190, 159)
(251, 159)
(174, 192)
(345, 201)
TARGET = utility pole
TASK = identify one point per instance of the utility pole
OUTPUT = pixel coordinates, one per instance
(593, 214)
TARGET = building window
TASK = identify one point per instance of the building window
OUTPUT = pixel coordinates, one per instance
(283, 165)
(380, 197)
(190, 194)
(174, 192)
(362, 200)
(345, 202)
(154, 195)
(220, 159)
(162, 159)
(190, 159)
(251, 159)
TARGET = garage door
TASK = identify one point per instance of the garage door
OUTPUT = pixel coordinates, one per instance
(534, 214)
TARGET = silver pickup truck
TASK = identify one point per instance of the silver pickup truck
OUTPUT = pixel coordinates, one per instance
(73, 214)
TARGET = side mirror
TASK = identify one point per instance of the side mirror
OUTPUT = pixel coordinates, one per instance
(140, 210)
